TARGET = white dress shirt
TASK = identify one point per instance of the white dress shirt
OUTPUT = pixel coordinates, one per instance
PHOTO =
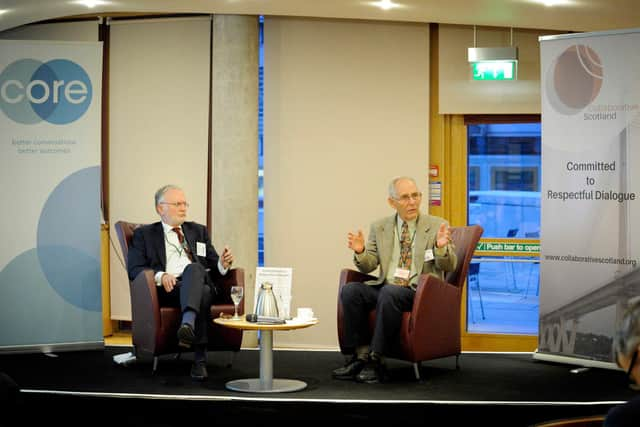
(177, 258)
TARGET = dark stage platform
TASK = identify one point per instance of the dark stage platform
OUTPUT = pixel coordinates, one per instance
(509, 389)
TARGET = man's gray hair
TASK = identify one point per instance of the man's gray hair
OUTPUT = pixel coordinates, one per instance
(627, 337)
(159, 197)
(392, 185)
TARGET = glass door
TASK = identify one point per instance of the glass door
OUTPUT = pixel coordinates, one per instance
(503, 195)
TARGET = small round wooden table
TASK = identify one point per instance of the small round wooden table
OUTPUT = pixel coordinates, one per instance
(266, 383)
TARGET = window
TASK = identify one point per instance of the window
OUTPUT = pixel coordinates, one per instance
(504, 197)
(514, 178)
(474, 178)
(261, 143)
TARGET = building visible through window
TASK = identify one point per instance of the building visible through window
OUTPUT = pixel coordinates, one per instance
(261, 144)
(504, 182)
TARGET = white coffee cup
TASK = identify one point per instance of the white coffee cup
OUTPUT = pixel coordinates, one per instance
(305, 313)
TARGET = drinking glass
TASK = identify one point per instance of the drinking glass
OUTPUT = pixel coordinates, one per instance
(285, 306)
(236, 296)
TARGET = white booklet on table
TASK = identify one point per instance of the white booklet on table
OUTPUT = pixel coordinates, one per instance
(280, 279)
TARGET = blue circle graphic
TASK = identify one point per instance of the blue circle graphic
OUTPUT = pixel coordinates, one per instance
(13, 80)
(69, 239)
(58, 91)
(41, 93)
(76, 96)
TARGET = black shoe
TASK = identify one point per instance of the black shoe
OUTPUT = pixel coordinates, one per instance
(185, 335)
(372, 373)
(199, 370)
(349, 370)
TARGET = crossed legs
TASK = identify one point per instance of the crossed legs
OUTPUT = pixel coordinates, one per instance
(194, 297)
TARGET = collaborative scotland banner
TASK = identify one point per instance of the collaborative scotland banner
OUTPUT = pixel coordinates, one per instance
(590, 214)
(50, 270)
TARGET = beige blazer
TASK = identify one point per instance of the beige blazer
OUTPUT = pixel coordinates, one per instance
(379, 248)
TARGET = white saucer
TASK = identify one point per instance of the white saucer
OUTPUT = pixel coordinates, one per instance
(299, 320)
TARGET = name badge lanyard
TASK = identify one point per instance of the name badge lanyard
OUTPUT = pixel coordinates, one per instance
(179, 249)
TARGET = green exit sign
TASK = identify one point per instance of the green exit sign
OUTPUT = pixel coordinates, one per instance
(494, 70)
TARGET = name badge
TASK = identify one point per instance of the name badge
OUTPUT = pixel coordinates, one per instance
(428, 255)
(402, 273)
(201, 249)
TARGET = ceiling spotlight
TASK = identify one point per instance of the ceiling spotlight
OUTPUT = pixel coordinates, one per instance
(91, 3)
(385, 4)
(550, 3)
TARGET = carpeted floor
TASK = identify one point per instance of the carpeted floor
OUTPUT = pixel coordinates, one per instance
(510, 389)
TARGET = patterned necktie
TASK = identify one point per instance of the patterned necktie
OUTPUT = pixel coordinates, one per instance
(182, 242)
(405, 253)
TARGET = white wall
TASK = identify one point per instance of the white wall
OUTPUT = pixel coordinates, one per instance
(158, 125)
(346, 109)
(86, 31)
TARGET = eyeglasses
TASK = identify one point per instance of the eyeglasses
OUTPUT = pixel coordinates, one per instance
(405, 198)
(176, 204)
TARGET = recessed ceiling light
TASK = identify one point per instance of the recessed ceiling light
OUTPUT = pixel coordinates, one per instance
(550, 3)
(385, 4)
(91, 3)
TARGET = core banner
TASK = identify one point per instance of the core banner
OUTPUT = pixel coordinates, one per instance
(591, 186)
(50, 103)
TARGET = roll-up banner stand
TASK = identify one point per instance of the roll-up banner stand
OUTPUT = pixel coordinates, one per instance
(50, 272)
(590, 215)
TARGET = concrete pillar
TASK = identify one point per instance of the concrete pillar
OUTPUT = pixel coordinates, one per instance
(235, 143)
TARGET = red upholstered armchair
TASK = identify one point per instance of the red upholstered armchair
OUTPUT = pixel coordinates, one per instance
(432, 328)
(155, 328)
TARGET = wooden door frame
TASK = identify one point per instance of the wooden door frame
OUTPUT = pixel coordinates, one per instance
(448, 152)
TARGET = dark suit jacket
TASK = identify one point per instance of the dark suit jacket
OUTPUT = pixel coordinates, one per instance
(148, 249)
(627, 414)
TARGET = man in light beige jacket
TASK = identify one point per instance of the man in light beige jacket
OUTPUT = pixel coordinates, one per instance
(404, 246)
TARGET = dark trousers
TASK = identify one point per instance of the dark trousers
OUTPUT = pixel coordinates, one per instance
(193, 292)
(388, 300)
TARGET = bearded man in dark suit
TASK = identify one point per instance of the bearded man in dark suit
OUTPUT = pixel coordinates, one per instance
(185, 265)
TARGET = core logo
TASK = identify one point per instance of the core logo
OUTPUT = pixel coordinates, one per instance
(574, 79)
(57, 91)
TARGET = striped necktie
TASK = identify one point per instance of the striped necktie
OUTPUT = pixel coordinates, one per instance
(183, 244)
